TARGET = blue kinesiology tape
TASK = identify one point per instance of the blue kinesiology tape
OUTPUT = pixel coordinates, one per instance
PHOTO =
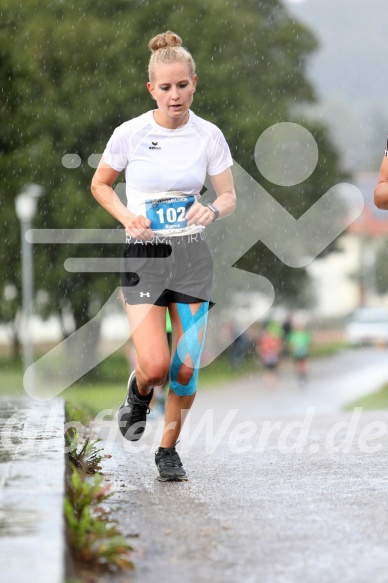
(189, 344)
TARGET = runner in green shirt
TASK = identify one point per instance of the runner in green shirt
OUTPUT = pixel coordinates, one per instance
(298, 342)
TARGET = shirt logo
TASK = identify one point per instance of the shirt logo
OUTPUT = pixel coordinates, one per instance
(147, 294)
(154, 146)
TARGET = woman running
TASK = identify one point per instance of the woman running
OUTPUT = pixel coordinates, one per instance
(166, 154)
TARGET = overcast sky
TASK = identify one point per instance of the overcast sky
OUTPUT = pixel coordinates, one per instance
(350, 72)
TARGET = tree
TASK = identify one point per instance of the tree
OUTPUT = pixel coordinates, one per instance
(73, 71)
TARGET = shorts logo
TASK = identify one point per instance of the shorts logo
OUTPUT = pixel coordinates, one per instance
(154, 146)
(147, 294)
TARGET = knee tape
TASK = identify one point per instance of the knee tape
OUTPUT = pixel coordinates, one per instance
(189, 344)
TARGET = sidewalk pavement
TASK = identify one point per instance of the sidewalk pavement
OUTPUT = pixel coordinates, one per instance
(32, 466)
(283, 486)
(251, 514)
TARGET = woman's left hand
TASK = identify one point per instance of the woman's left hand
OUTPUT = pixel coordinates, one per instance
(199, 214)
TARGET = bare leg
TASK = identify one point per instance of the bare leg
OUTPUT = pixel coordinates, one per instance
(176, 411)
(148, 331)
(301, 367)
(177, 407)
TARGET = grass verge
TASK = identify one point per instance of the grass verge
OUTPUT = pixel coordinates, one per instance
(95, 541)
(103, 389)
(377, 400)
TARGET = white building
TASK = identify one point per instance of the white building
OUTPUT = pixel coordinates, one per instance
(345, 280)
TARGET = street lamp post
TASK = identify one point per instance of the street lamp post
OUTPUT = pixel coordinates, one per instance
(26, 204)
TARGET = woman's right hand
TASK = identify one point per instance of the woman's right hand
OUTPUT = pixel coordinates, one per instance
(138, 227)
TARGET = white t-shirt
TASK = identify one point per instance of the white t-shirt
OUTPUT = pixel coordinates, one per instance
(165, 169)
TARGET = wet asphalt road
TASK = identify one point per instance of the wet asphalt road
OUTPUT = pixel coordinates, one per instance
(283, 487)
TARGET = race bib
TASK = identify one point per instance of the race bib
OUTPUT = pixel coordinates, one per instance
(168, 213)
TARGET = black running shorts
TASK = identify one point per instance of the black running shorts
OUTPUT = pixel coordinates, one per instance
(167, 270)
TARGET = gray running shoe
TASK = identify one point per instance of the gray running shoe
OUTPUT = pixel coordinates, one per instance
(133, 412)
(169, 465)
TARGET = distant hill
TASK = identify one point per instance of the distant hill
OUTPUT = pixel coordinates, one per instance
(350, 73)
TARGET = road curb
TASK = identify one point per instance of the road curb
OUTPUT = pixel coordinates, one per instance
(32, 489)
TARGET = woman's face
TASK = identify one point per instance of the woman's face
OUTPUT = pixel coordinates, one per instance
(173, 90)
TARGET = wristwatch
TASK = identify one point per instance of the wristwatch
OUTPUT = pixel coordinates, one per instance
(215, 211)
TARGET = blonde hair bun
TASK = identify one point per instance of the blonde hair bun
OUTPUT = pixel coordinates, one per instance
(165, 40)
(166, 48)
